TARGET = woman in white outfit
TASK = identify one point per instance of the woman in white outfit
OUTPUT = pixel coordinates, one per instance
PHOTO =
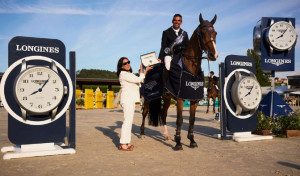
(130, 94)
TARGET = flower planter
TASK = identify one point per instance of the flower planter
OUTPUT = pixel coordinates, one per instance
(262, 132)
(79, 106)
(291, 133)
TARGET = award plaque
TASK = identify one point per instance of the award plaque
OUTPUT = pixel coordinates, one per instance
(149, 59)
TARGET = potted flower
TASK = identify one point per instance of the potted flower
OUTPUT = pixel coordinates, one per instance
(172, 102)
(290, 125)
(79, 103)
(264, 124)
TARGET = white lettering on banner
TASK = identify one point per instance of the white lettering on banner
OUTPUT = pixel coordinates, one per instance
(150, 85)
(281, 106)
(194, 85)
(38, 49)
(239, 63)
(278, 62)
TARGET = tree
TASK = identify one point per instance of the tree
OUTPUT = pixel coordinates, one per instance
(95, 73)
(262, 78)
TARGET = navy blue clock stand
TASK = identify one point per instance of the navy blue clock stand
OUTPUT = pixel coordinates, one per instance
(39, 135)
(232, 126)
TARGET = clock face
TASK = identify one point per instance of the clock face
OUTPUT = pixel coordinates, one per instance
(249, 93)
(38, 89)
(282, 35)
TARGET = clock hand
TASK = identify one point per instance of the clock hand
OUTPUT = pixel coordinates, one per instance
(249, 91)
(34, 92)
(247, 94)
(45, 83)
(284, 31)
(281, 34)
(251, 88)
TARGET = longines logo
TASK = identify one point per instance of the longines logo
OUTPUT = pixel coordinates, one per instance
(239, 63)
(150, 85)
(194, 85)
(38, 49)
(40, 82)
(281, 106)
(278, 62)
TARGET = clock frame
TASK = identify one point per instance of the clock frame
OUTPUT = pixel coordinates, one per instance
(39, 90)
(246, 93)
(281, 36)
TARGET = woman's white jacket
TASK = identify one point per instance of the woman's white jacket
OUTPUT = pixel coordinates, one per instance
(130, 87)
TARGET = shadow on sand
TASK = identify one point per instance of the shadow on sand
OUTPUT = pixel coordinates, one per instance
(114, 136)
(289, 165)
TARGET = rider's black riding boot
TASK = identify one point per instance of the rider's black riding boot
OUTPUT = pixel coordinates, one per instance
(165, 76)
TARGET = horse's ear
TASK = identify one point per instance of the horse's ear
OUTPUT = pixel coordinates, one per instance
(200, 18)
(214, 20)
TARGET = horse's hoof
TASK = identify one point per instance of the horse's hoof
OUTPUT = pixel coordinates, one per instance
(142, 136)
(178, 147)
(193, 145)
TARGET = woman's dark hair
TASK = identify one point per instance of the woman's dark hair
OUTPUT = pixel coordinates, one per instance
(120, 64)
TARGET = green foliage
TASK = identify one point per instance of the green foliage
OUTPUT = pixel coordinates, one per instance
(103, 88)
(283, 123)
(80, 101)
(291, 122)
(95, 73)
(261, 77)
(173, 101)
(264, 122)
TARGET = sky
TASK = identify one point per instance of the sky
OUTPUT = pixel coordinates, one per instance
(102, 31)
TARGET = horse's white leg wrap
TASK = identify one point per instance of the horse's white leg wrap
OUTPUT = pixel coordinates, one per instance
(168, 62)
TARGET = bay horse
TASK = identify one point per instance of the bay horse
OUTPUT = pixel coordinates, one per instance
(202, 40)
(212, 92)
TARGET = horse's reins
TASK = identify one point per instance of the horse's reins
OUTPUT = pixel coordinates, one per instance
(210, 30)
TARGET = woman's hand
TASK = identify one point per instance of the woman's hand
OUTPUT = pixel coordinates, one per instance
(147, 69)
(141, 68)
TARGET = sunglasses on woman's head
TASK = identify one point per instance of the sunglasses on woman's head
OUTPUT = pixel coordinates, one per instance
(125, 63)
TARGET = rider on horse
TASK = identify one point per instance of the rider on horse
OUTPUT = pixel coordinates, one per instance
(215, 80)
(169, 36)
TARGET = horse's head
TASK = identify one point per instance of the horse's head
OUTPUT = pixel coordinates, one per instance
(207, 37)
(211, 82)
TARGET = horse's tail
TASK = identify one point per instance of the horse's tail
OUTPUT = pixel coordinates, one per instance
(154, 116)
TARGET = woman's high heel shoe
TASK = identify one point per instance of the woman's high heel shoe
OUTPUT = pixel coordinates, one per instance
(127, 149)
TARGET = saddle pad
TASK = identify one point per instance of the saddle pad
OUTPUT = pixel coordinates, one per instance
(182, 84)
(152, 88)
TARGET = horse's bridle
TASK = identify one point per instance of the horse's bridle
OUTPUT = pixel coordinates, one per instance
(210, 29)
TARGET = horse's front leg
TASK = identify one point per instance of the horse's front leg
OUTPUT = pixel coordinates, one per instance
(144, 113)
(214, 100)
(207, 104)
(179, 122)
(190, 135)
(219, 102)
(164, 114)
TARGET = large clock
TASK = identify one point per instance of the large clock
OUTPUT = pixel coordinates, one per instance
(43, 92)
(281, 36)
(245, 93)
(39, 90)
